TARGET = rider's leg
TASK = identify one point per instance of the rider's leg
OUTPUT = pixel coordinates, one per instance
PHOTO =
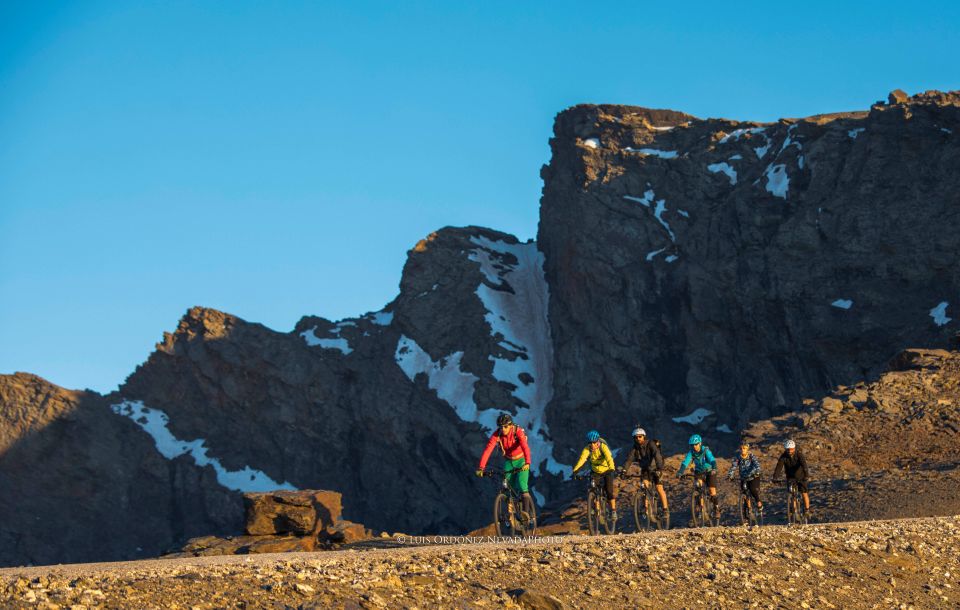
(712, 485)
(753, 486)
(610, 482)
(663, 497)
(802, 488)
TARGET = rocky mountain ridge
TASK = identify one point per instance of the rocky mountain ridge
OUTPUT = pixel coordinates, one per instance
(690, 274)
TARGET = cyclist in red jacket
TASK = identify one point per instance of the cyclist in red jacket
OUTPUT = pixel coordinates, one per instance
(513, 442)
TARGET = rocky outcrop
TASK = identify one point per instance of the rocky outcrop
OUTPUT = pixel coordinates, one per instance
(694, 275)
(739, 267)
(291, 512)
(283, 522)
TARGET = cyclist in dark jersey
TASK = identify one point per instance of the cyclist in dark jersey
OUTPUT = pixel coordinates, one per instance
(794, 465)
(646, 454)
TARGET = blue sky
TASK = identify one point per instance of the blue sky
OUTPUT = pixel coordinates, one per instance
(278, 159)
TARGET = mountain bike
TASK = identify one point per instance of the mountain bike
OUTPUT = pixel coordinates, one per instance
(513, 514)
(598, 507)
(701, 515)
(647, 512)
(796, 513)
(750, 514)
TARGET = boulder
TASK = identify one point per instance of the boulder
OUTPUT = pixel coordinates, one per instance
(291, 512)
(859, 397)
(345, 532)
(831, 405)
(897, 96)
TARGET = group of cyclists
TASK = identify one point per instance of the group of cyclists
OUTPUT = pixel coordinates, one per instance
(646, 455)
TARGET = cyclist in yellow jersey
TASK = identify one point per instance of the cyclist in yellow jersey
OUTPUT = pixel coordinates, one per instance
(601, 465)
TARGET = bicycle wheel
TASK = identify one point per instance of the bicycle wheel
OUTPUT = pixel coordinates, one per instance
(710, 516)
(665, 520)
(526, 511)
(746, 517)
(653, 510)
(593, 512)
(609, 521)
(801, 511)
(501, 515)
(640, 511)
(696, 504)
(792, 506)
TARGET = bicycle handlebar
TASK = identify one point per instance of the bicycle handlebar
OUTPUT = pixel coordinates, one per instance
(499, 471)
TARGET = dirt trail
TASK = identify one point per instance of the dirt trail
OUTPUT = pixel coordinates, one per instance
(880, 564)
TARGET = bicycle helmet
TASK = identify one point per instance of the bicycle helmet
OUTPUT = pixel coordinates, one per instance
(593, 436)
(790, 444)
(504, 419)
(638, 431)
(695, 440)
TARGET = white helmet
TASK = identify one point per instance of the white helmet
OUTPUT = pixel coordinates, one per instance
(638, 432)
(789, 444)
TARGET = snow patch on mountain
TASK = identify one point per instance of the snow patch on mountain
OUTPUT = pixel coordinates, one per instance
(694, 418)
(336, 342)
(737, 133)
(383, 318)
(653, 253)
(154, 422)
(726, 168)
(658, 214)
(939, 314)
(519, 320)
(842, 304)
(646, 200)
(778, 182)
(444, 376)
(663, 154)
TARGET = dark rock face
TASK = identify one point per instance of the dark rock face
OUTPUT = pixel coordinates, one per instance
(81, 484)
(738, 267)
(707, 270)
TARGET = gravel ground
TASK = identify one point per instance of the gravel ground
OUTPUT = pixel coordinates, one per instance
(879, 564)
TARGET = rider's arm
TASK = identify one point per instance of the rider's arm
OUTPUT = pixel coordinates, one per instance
(778, 469)
(803, 462)
(754, 467)
(631, 458)
(708, 455)
(733, 468)
(488, 450)
(522, 436)
(686, 462)
(657, 457)
(583, 458)
(607, 456)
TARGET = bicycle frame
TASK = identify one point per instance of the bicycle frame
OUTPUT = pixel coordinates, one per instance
(598, 504)
(796, 511)
(698, 507)
(521, 512)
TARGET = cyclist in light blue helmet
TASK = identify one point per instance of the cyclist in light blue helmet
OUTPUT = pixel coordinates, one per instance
(704, 467)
